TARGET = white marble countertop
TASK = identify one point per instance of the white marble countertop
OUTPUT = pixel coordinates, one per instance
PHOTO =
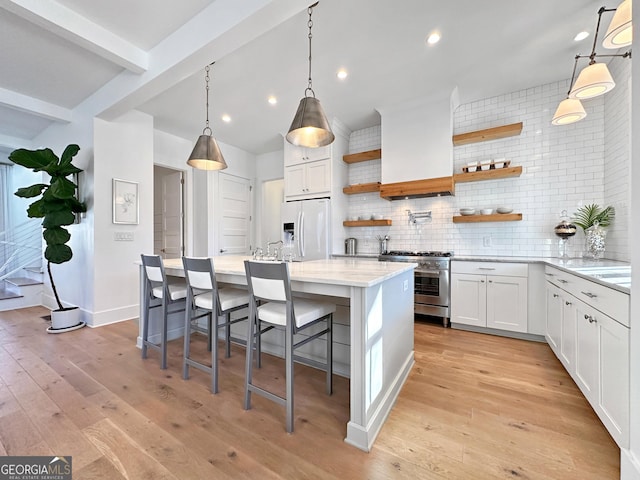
(582, 267)
(336, 271)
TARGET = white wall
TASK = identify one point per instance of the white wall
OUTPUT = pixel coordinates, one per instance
(563, 168)
(123, 150)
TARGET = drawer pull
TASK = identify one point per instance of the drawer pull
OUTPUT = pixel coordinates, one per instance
(562, 281)
(485, 268)
(590, 318)
(589, 294)
(550, 274)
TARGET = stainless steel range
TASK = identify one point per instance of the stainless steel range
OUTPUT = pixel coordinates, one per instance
(431, 292)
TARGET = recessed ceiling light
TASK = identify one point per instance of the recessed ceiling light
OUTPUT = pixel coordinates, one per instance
(342, 74)
(581, 36)
(272, 100)
(226, 118)
(433, 38)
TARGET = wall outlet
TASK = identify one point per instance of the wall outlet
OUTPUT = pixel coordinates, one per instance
(486, 240)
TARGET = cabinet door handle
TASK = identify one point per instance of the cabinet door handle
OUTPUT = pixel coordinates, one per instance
(589, 294)
(567, 303)
(555, 295)
(481, 281)
(590, 318)
(490, 281)
(562, 281)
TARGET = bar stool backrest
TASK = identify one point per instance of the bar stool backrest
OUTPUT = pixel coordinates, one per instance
(269, 280)
(199, 273)
(154, 270)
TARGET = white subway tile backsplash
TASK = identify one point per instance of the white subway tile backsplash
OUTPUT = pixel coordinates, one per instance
(563, 168)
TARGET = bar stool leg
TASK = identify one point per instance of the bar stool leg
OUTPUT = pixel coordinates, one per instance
(214, 354)
(163, 338)
(249, 356)
(187, 339)
(288, 354)
(330, 355)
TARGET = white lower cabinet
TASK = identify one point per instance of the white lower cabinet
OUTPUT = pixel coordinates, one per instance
(489, 295)
(592, 346)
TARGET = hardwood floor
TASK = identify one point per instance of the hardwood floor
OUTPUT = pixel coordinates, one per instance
(475, 407)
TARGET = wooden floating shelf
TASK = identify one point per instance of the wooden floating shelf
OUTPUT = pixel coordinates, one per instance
(367, 223)
(362, 156)
(487, 134)
(488, 174)
(361, 188)
(497, 217)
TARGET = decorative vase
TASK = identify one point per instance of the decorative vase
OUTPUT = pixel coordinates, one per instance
(595, 241)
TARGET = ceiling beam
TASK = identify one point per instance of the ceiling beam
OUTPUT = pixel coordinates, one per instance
(219, 29)
(34, 106)
(71, 26)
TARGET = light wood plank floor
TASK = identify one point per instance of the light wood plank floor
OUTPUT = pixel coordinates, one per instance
(475, 407)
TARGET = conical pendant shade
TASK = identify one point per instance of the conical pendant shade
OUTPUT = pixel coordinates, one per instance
(569, 111)
(620, 31)
(206, 155)
(593, 80)
(310, 127)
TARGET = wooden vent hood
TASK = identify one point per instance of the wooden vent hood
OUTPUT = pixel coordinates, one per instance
(432, 187)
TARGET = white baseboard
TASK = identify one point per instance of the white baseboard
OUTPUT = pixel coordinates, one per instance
(629, 465)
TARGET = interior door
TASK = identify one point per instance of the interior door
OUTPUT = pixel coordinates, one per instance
(169, 230)
(234, 232)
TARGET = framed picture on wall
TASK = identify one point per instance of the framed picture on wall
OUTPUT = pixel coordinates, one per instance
(125, 202)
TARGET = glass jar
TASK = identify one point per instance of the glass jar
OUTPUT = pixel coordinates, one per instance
(565, 230)
(595, 241)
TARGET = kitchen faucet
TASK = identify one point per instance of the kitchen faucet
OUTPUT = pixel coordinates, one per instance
(269, 244)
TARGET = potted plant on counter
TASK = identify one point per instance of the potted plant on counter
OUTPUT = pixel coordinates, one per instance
(57, 205)
(593, 220)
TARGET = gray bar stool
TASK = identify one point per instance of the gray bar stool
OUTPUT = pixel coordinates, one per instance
(205, 299)
(270, 282)
(159, 293)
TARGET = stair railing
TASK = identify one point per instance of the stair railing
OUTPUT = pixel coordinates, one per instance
(20, 247)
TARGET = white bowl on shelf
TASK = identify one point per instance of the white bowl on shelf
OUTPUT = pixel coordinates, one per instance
(485, 165)
(499, 162)
(504, 210)
(472, 166)
(376, 217)
(486, 211)
(467, 211)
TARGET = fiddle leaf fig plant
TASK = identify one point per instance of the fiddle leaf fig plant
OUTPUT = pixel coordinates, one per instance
(587, 215)
(57, 205)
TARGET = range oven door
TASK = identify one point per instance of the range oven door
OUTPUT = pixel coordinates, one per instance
(431, 294)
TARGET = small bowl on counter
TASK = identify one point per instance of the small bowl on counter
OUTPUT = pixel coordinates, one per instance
(504, 210)
(467, 211)
(486, 211)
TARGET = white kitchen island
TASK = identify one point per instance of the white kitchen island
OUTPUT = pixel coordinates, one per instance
(381, 327)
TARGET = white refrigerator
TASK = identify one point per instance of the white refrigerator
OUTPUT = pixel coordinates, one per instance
(305, 224)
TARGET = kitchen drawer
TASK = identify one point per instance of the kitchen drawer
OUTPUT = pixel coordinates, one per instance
(607, 300)
(490, 268)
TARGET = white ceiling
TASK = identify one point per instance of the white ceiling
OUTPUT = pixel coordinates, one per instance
(488, 47)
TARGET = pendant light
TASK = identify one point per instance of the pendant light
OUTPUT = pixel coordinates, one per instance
(206, 155)
(310, 127)
(620, 31)
(570, 110)
(595, 79)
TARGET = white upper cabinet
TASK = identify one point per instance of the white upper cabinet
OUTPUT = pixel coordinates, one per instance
(296, 155)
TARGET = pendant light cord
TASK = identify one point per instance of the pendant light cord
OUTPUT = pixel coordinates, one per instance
(206, 80)
(310, 24)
